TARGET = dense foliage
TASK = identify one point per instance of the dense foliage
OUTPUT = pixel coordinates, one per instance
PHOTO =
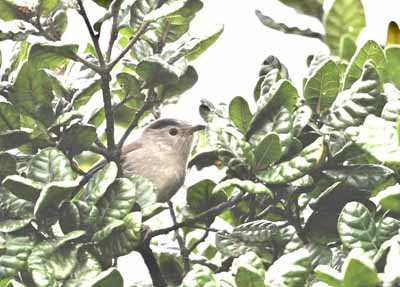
(310, 194)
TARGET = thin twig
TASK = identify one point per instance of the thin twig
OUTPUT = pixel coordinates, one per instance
(199, 241)
(88, 64)
(100, 150)
(136, 37)
(114, 28)
(214, 211)
(181, 241)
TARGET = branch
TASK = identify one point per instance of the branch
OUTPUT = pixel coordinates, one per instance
(95, 39)
(88, 64)
(214, 211)
(114, 28)
(181, 241)
(139, 33)
(152, 265)
(269, 22)
(198, 242)
(146, 106)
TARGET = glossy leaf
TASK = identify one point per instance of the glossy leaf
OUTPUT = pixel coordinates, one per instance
(51, 196)
(371, 51)
(13, 138)
(50, 165)
(389, 198)
(8, 165)
(201, 197)
(65, 119)
(78, 138)
(357, 228)
(249, 186)
(12, 207)
(239, 113)
(290, 270)
(344, 17)
(9, 117)
(251, 271)
(32, 94)
(353, 106)
(392, 54)
(268, 151)
(98, 184)
(185, 82)
(322, 87)
(84, 94)
(310, 158)
(46, 56)
(22, 187)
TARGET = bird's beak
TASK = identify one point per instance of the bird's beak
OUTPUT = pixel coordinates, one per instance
(195, 128)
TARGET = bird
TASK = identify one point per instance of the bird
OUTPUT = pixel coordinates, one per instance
(161, 154)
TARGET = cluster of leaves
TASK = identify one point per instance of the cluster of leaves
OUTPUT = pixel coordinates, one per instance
(316, 170)
(60, 225)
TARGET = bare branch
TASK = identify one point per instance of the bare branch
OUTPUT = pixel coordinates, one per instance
(136, 37)
(181, 241)
(152, 265)
(114, 28)
(214, 211)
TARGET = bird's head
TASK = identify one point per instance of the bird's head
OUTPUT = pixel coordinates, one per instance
(176, 134)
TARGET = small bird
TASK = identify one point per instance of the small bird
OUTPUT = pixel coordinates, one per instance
(161, 155)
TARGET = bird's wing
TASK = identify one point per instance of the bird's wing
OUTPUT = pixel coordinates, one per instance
(130, 147)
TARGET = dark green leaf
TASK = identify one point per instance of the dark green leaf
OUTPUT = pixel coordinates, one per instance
(239, 113)
(307, 7)
(8, 165)
(250, 272)
(393, 63)
(50, 165)
(9, 11)
(371, 51)
(46, 56)
(9, 117)
(200, 196)
(268, 151)
(322, 87)
(78, 138)
(185, 82)
(13, 138)
(22, 187)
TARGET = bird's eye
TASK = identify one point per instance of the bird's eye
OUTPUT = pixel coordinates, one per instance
(173, 132)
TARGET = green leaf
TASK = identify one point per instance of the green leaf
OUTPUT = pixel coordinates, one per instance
(121, 197)
(86, 271)
(14, 253)
(65, 118)
(199, 276)
(22, 187)
(10, 11)
(13, 138)
(45, 7)
(322, 87)
(98, 184)
(228, 186)
(370, 51)
(345, 17)
(77, 138)
(290, 270)
(124, 240)
(171, 268)
(307, 7)
(353, 106)
(200, 196)
(51, 197)
(281, 94)
(196, 46)
(260, 236)
(389, 198)
(11, 207)
(268, 151)
(129, 84)
(359, 270)
(329, 275)
(239, 113)
(85, 93)
(110, 277)
(250, 272)
(8, 165)
(50, 165)
(50, 56)
(157, 70)
(310, 158)
(392, 66)
(32, 94)
(53, 261)
(357, 228)
(185, 82)
(12, 225)
(9, 117)
(177, 7)
(379, 139)
(366, 177)
(386, 228)
(348, 47)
